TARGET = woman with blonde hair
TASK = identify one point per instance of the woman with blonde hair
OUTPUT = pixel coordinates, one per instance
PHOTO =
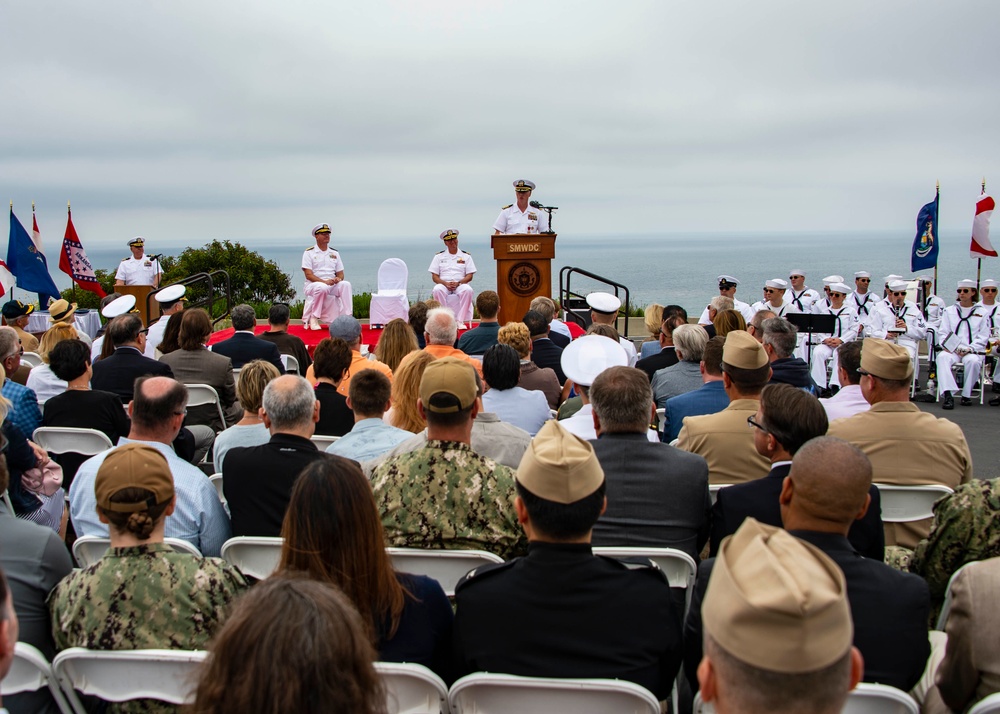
(403, 413)
(41, 379)
(250, 430)
(397, 341)
(727, 321)
(652, 319)
(533, 378)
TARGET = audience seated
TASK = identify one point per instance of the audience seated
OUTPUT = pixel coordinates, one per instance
(657, 495)
(117, 372)
(41, 380)
(396, 341)
(445, 495)
(331, 362)
(23, 411)
(685, 376)
(726, 321)
(15, 314)
(576, 615)
(250, 430)
(332, 533)
(558, 332)
(157, 413)
(244, 346)
(22, 455)
(405, 389)
(257, 480)
(584, 359)
(8, 631)
(544, 352)
(479, 339)
(417, 319)
(652, 319)
(513, 404)
(171, 302)
(532, 377)
(667, 355)
(780, 338)
(440, 333)
(348, 329)
(277, 334)
(756, 326)
(290, 645)
(112, 305)
(370, 437)
(710, 398)
(171, 336)
(849, 400)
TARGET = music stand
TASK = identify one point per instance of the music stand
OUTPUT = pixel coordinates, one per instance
(808, 324)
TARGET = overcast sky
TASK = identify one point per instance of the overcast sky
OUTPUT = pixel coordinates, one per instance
(185, 121)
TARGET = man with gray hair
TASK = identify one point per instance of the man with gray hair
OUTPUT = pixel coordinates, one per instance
(756, 326)
(24, 411)
(244, 346)
(685, 376)
(780, 338)
(258, 480)
(347, 328)
(440, 333)
(558, 332)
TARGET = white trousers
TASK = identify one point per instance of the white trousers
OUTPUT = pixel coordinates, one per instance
(972, 363)
(460, 301)
(820, 354)
(327, 302)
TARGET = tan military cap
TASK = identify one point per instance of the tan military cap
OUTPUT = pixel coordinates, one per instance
(777, 602)
(133, 466)
(559, 466)
(885, 359)
(743, 351)
(449, 375)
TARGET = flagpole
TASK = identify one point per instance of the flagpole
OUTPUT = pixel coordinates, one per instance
(69, 216)
(937, 200)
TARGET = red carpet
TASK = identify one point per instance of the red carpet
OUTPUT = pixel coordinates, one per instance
(310, 337)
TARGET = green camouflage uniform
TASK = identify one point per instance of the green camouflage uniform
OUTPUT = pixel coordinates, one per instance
(445, 495)
(143, 597)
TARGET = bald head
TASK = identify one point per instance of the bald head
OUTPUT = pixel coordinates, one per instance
(157, 409)
(289, 405)
(827, 487)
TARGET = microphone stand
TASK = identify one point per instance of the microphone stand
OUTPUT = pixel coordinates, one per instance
(547, 209)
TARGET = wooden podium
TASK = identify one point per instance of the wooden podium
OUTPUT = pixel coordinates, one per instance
(141, 292)
(524, 270)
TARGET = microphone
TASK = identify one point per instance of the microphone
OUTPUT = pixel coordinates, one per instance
(536, 204)
(156, 257)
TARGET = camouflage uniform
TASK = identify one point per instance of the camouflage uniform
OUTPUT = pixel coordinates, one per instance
(141, 597)
(445, 495)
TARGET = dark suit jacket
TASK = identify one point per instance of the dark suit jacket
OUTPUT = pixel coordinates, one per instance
(205, 367)
(118, 372)
(545, 353)
(243, 347)
(559, 339)
(667, 357)
(889, 609)
(657, 495)
(759, 498)
(257, 482)
(710, 399)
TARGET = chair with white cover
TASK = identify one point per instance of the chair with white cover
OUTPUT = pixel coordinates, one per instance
(678, 566)
(863, 699)
(389, 301)
(32, 359)
(323, 440)
(67, 439)
(508, 694)
(201, 394)
(290, 363)
(661, 416)
(216, 480)
(989, 705)
(905, 504)
(30, 672)
(256, 556)
(123, 675)
(412, 689)
(88, 549)
(445, 566)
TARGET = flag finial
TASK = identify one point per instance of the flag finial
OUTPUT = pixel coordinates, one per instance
(984, 184)
(32, 206)
(67, 206)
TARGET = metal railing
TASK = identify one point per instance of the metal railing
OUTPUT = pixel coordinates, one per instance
(575, 305)
(216, 286)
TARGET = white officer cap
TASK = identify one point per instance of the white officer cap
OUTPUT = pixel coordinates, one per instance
(448, 234)
(831, 279)
(603, 302)
(839, 288)
(863, 274)
(727, 279)
(137, 242)
(897, 285)
(776, 283)
(967, 283)
(523, 185)
(118, 306)
(989, 283)
(171, 293)
(586, 357)
(890, 278)
(321, 228)
(797, 271)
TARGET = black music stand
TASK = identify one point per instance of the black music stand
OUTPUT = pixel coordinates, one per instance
(808, 324)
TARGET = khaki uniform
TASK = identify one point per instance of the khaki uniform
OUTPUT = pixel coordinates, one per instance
(908, 447)
(28, 341)
(725, 441)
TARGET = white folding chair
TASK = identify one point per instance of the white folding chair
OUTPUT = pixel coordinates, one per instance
(989, 705)
(216, 480)
(32, 359)
(904, 504)
(88, 549)
(879, 699)
(445, 566)
(256, 556)
(67, 439)
(200, 394)
(946, 607)
(123, 675)
(714, 488)
(7, 502)
(678, 566)
(413, 689)
(290, 363)
(322, 440)
(508, 694)
(661, 416)
(29, 672)
(389, 301)
(236, 375)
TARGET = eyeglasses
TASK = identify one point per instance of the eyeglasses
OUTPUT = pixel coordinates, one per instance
(754, 424)
(962, 291)
(792, 277)
(182, 412)
(864, 373)
(863, 280)
(897, 293)
(768, 291)
(989, 290)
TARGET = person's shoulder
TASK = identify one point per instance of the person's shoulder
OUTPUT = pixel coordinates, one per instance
(491, 574)
(312, 247)
(635, 570)
(509, 205)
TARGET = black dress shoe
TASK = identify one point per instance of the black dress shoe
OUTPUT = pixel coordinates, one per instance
(966, 402)
(949, 401)
(995, 402)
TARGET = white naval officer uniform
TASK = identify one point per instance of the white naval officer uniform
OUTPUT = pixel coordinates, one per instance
(972, 328)
(141, 271)
(450, 268)
(803, 299)
(512, 220)
(846, 330)
(738, 305)
(325, 302)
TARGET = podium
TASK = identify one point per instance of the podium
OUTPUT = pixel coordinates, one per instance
(141, 292)
(524, 270)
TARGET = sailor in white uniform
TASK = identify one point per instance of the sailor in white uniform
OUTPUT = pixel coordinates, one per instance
(967, 322)
(799, 295)
(328, 295)
(898, 320)
(119, 306)
(171, 300)
(138, 269)
(861, 300)
(452, 271)
(519, 217)
(933, 312)
(774, 298)
(604, 311)
(727, 288)
(846, 330)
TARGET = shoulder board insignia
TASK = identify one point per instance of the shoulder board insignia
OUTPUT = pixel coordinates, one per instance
(507, 206)
(440, 252)
(310, 247)
(125, 260)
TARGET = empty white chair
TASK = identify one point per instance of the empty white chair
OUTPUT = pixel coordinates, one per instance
(389, 301)
(903, 504)
(88, 549)
(199, 394)
(413, 689)
(67, 439)
(32, 359)
(879, 699)
(322, 440)
(123, 675)
(678, 566)
(29, 672)
(256, 556)
(507, 694)
(445, 566)
(989, 705)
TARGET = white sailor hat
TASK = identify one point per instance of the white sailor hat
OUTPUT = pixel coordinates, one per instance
(321, 228)
(776, 283)
(863, 274)
(831, 279)
(586, 357)
(118, 306)
(967, 283)
(727, 279)
(925, 278)
(171, 293)
(898, 285)
(989, 283)
(890, 278)
(839, 288)
(138, 242)
(448, 234)
(603, 302)
(523, 185)
(796, 271)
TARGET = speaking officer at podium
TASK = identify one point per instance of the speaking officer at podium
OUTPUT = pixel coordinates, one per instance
(519, 217)
(452, 270)
(138, 270)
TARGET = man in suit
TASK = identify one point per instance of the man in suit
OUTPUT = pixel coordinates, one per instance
(244, 346)
(547, 308)
(544, 351)
(257, 480)
(667, 356)
(711, 398)
(657, 495)
(277, 334)
(826, 492)
(118, 372)
(786, 419)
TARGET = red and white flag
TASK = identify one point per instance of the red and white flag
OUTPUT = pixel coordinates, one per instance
(73, 260)
(981, 247)
(7, 280)
(36, 235)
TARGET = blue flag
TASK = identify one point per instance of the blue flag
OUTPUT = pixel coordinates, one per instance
(26, 263)
(925, 244)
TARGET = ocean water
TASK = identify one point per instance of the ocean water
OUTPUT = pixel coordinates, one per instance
(665, 268)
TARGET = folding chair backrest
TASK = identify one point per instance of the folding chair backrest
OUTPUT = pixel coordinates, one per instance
(120, 676)
(678, 566)
(322, 440)
(255, 556)
(989, 705)
(32, 359)
(879, 699)
(216, 480)
(290, 362)
(199, 394)
(445, 566)
(714, 488)
(413, 689)
(7, 502)
(661, 416)
(392, 274)
(903, 504)
(29, 672)
(506, 694)
(88, 549)
(946, 607)
(65, 439)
